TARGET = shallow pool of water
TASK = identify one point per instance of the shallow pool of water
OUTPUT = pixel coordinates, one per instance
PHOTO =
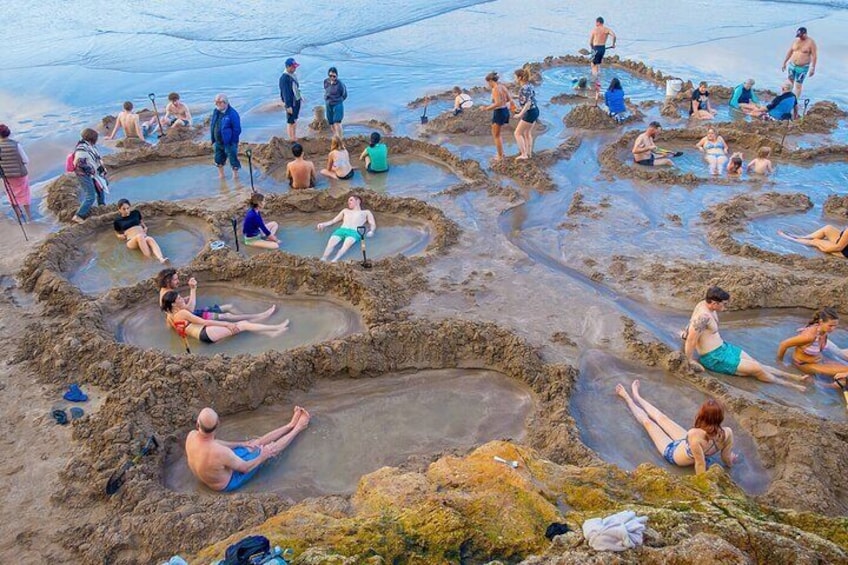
(312, 320)
(183, 179)
(762, 232)
(360, 425)
(607, 426)
(107, 263)
(561, 80)
(394, 236)
(408, 176)
(759, 332)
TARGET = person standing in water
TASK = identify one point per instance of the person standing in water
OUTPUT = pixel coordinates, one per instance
(335, 93)
(225, 128)
(131, 228)
(501, 104)
(90, 172)
(224, 466)
(723, 357)
(527, 115)
(678, 446)
(14, 161)
(802, 58)
(254, 230)
(290, 95)
(598, 43)
(351, 218)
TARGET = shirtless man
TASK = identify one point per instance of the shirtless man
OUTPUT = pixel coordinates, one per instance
(644, 148)
(168, 280)
(352, 217)
(128, 120)
(226, 465)
(720, 356)
(598, 43)
(177, 113)
(300, 172)
(802, 57)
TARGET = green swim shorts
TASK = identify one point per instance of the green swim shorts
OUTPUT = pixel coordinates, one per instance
(723, 359)
(344, 233)
(254, 239)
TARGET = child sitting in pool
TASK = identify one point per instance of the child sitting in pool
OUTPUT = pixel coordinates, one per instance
(734, 166)
(762, 164)
(352, 218)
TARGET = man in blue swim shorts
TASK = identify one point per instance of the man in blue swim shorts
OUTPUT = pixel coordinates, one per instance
(719, 356)
(224, 466)
(802, 58)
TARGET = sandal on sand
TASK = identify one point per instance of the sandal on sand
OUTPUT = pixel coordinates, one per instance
(60, 417)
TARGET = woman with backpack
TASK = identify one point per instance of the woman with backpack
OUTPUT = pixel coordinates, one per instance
(13, 161)
(87, 164)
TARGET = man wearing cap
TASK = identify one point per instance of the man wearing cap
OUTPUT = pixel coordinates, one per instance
(802, 57)
(290, 95)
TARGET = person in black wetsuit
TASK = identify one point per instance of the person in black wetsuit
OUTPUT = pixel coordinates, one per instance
(130, 227)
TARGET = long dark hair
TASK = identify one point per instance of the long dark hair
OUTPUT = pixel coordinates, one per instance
(615, 84)
(163, 279)
(826, 314)
(375, 139)
(709, 418)
(168, 300)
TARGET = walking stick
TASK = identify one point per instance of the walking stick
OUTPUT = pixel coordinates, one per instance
(14, 202)
(249, 154)
(155, 111)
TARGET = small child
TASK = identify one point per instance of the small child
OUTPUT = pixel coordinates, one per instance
(734, 166)
(762, 165)
(461, 101)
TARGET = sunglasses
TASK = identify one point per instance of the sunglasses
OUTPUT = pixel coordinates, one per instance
(333, 76)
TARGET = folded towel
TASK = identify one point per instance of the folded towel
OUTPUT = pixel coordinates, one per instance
(618, 532)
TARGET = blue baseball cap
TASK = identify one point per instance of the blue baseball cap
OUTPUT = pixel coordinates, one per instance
(290, 62)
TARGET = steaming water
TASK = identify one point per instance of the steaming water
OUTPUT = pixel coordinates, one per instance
(361, 425)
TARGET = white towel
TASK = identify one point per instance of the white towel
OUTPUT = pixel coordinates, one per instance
(618, 532)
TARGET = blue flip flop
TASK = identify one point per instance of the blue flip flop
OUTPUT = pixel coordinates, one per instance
(74, 394)
(60, 417)
(76, 413)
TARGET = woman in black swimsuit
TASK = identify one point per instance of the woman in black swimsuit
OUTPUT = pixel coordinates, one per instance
(828, 239)
(179, 318)
(130, 227)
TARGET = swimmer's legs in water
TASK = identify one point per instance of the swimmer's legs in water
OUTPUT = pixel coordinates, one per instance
(275, 435)
(333, 242)
(828, 233)
(217, 333)
(230, 317)
(750, 367)
(660, 438)
(147, 245)
(264, 243)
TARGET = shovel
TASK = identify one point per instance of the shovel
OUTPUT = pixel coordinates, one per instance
(361, 230)
(424, 118)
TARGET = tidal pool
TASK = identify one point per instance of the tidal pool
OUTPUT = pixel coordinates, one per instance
(107, 263)
(407, 175)
(360, 425)
(607, 426)
(759, 332)
(312, 320)
(559, 80)
(762, 232)
(394, 236)
(183, 179)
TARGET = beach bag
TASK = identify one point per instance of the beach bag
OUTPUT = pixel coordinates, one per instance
(69, 162)
(252, 549)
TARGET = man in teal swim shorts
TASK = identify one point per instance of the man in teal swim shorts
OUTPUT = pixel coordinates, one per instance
(720, 356)
(224, 465)
(351, 218)
(802, 58)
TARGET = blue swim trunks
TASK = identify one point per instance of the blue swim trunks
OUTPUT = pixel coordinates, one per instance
(797, 73)
(205, 313)
(668, 454)
(723, 359)
(238, 479)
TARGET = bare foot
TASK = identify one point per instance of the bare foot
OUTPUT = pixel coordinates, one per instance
(220, 172)
(281, 329)
(635, 388)
(78, 220)
(522, 157)
(264, 315)
(164, 260)
(621, 391)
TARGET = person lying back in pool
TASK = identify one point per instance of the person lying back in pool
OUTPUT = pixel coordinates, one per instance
(209, 330)
(131, 228)
(723, 357)
(705, 440)
(762, 165)
(811, 342)
(351, 218)
(828, 239)
(224, 466)
(168, 280)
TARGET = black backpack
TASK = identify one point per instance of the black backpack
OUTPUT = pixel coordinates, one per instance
(243, 552)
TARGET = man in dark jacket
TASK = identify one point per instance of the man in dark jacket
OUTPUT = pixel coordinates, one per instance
(225, 129)
(290, 95)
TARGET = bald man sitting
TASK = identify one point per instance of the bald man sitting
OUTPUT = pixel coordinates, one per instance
(224, 465)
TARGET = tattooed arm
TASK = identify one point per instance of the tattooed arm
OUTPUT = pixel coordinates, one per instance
(696, 327)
